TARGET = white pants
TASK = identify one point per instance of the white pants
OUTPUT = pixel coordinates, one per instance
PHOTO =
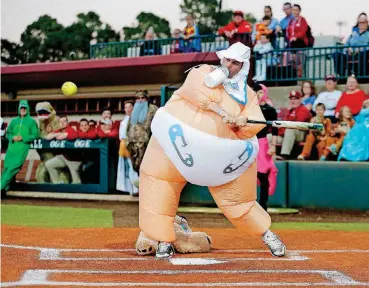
(126, 176)
(290, 137)
(60, 161)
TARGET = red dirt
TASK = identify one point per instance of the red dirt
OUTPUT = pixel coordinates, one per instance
(16, 261)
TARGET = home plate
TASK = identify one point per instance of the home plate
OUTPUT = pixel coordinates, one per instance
(195, 261)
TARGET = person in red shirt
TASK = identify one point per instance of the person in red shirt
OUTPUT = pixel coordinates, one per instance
(237, 29)
(85, 131)
(70, 159)
(106, 129)
(353, 97)
(297, 29)
(288, 137)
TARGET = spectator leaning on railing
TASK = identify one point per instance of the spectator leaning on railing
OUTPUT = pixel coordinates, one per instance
(353, 97)
(150, 46)
(356, 27)
(106, 129)
(358, 37)
(329, 98)
(190, 35)
(85, 131)
(297, 29)
(288, 137)
(237, 29)
(21, 131)
(263, 57)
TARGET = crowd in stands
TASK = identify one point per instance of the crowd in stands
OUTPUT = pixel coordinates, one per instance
(335, 109)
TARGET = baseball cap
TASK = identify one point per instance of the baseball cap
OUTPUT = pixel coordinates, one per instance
(330, 77)
(295, 94)
(238, 12)
(106, 121)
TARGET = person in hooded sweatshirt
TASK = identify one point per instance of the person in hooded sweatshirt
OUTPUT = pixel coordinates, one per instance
(21, 132)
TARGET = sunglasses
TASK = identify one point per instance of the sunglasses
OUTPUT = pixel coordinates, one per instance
(141, 97)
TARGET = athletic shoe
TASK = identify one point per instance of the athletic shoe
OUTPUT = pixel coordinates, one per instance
(165, 251)
(300, 157)
(277, 248)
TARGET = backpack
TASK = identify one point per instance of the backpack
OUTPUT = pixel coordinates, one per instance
(310, 37)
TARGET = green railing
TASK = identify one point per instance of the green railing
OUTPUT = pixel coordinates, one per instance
(291, 65)
(204, 43)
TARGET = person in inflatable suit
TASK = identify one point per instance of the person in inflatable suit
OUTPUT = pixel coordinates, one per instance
(201, 136)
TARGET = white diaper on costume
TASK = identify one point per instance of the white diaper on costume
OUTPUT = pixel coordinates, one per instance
(201, 158)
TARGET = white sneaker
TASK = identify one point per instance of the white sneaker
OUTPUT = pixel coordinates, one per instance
(300, 157)
(164, 251)
(277, 248)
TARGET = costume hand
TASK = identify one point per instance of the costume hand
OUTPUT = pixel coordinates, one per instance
(16, 138)
(227, 119)
(241, 121)
(271, 150)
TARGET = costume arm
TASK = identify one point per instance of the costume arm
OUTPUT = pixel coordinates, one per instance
(34, 134)
(9, 132)
(195, 91)
(253, 112)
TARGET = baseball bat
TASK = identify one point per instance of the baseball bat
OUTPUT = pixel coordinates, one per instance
(290, 124)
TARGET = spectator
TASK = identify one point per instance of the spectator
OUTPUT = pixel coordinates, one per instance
(138, 130)
(308, 94)
(2, 124)
(106, 129)
(338, 133)
(266, 169)
(71, 159)
(238, 30)
(288, 137)
(4, 141)
(263, 57)
(329, 97)
(127, 178)
(274, 22)
(353, 97)
(317, 138)
(355, 146)
(359, 37)
(356, 27)
(190, 35)
(262, 29)
(21, 131)
(150, 46)
(106, 113)
(85, 131)
(297, 29)
(92, 123)
(175, 46)
(283, 24)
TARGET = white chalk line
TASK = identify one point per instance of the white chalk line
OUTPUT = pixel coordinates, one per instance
(213, 251)
(39, 277)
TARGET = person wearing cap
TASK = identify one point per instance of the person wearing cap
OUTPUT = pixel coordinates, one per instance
(329, 98)
(238, 30)
(21, 131)
(71, 159)
(288, 137)
(139, 128)
(106, 129)
(201, 136)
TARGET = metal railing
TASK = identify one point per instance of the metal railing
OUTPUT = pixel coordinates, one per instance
(312, 63)
(136, 48)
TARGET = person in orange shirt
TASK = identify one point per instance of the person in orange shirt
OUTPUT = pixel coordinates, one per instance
(317, 138)
(338, 133)
(237, 30)
(262, 28)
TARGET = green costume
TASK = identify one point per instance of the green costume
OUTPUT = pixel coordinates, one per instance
(17, 151)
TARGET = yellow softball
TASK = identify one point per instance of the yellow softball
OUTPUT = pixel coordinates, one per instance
(69, 88)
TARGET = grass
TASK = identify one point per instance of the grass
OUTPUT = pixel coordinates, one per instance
(55, 217)
(353, 227)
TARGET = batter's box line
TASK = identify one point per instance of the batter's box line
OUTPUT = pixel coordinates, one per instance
(39, 277)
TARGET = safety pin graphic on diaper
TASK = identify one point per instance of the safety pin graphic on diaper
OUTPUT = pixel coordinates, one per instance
(175, 132)
(239, 160)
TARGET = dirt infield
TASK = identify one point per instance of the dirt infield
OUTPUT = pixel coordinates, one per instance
(105, 258)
